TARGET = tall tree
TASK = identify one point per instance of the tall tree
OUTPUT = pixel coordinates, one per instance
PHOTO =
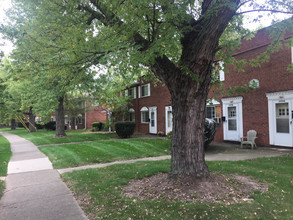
(177, 40)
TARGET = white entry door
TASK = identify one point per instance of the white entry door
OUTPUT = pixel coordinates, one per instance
(168, 119)
(153, 120)
(282, 120)
(233, 124)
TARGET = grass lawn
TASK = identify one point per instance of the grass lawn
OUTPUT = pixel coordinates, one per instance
(100, 192)
(72, 155)
(42, 137)
(5, 154)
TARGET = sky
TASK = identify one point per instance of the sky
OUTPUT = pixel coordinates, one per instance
(7, 46)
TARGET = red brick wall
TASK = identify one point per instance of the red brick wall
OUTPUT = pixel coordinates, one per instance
(95, 114)
(273, 76)
(160, 97)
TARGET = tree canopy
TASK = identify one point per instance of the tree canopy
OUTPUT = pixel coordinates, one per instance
(61, 41)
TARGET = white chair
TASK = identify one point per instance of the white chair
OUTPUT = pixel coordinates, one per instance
(249, 139)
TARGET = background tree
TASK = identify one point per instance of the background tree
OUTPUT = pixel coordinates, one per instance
(48, 54)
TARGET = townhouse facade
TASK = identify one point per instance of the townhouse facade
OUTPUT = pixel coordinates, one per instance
(268, 108)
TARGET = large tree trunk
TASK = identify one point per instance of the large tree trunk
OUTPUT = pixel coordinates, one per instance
(60, 125)
(32, 123)
(188, 132)
(12, 124)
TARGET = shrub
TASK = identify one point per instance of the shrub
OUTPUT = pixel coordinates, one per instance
(169, 135)
(20, 125)
(51, 125)
(39, 126)
(124, 129)
(95, 124)
(98, 126)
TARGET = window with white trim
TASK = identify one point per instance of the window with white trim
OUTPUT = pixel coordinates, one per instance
(132, 92)
(254, 83)
(79, 119)
(210, 112)
(66, 119)
(131, 115)
(144, 90)
(218, 71)
(144, 115)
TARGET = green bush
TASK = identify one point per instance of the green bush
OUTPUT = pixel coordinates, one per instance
(98, 126)
(39, 126)
(51, 125)
(124, 129)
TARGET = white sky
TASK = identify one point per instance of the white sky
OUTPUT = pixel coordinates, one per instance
(7, 46)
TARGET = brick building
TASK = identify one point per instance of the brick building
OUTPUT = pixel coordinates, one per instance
(268, 109)
(84, 119)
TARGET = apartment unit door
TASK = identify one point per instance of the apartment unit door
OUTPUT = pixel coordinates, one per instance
(282, 123)
(153, 120)
(168, 119)
(233, 124)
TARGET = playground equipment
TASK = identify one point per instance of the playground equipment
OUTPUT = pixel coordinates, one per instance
(19, 118)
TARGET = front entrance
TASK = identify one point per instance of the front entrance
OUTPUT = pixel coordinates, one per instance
(153, 120)
(233, 124)
(280, 118)
(283, 123)
(168, 119)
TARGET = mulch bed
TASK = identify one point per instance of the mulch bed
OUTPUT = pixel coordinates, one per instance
(228, 189)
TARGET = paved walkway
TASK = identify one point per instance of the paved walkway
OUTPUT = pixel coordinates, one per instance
(34, 191)
(216, 151)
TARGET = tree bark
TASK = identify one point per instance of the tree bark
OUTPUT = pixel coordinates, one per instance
(32, 123)
(12, 124)
(60, 124)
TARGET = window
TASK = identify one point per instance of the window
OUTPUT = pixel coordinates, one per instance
(210, 112)
(254, 83)
(53, 118)
(218, 73)
(66, 119)
(79, 119)
(131, 115)
(144, 91)
(144, 115)
(132, 92)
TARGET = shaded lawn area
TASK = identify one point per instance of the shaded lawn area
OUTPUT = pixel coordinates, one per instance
(99, 192)
(72, 155)
(42, 136)
(5, 154)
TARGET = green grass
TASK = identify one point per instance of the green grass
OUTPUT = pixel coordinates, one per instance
(42, 137)
(72, 155)
(101, 191)
(2, 187)
(5, 154)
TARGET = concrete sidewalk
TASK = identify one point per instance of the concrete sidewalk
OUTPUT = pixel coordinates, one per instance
(34, 191)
